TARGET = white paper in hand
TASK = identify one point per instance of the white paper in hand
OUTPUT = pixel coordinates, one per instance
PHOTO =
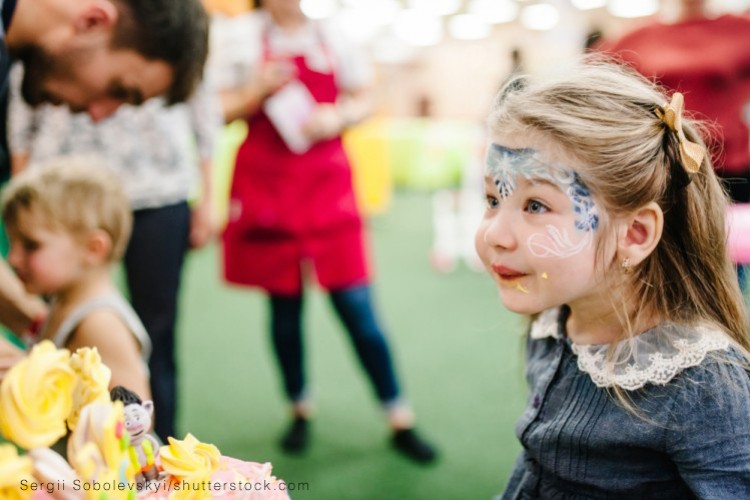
(289, 109)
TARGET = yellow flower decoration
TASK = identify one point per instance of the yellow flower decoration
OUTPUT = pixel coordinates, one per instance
(92, 384)
(13, 470)
(35, 397)
(97, 449)
(189, 458)
(191, 461)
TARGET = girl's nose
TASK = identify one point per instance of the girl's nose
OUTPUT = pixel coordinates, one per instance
(499, 232)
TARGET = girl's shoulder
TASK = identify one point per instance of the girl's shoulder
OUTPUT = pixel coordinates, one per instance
(654, 357)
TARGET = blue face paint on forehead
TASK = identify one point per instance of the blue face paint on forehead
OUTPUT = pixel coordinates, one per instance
(506, 164)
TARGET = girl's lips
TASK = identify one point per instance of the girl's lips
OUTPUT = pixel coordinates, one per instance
(507, 273)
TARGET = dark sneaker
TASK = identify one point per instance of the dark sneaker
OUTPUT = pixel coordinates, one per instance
(408, 442)
(296, 438)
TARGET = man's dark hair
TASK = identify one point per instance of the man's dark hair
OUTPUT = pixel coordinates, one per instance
(174, 31)
(128, 397)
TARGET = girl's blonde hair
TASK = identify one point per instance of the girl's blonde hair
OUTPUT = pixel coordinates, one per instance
(605, 116)
(75, 196)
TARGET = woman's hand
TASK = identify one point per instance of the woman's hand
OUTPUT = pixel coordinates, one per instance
(325, 122)
(329, 120)
(273, 75)
(246, 99)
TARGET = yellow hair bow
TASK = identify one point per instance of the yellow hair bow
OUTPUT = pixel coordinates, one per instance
(691, 153)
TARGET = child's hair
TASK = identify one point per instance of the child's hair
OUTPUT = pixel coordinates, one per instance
(75, 196)
(604, 115)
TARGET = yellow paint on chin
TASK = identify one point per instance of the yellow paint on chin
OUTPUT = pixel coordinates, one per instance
(516, 283)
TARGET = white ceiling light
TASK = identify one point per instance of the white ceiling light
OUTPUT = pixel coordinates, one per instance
(356, 3)
(589, 4)
(358, 25)
(633, 8)
(494, 11)
(468, 27)
(734, 5)
(436, 7)
(415, 28)
(318, 9)
(381, 12)
(540, 17)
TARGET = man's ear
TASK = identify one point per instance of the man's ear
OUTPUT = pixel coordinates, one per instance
(639, 233)
(95, 15)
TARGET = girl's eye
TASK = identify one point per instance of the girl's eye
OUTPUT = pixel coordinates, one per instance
(536, 207)
(30, 246)
(492, 202)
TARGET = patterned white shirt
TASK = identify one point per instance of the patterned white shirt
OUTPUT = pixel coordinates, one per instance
(156, 149)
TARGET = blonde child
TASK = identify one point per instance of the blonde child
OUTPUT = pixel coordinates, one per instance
(605, 223)
(68, 222)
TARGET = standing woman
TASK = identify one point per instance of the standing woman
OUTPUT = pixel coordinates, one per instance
(294, 215)
(707, 58)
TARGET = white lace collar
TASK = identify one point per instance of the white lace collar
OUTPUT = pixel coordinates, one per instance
(653, 357)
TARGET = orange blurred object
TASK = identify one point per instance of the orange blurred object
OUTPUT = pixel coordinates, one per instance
(227, 7)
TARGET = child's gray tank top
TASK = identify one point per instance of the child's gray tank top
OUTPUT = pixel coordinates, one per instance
(116, 303)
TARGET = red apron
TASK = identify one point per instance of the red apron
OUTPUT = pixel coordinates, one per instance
(286, 209)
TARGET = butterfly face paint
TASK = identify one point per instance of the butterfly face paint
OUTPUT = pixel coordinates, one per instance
(536, 238)
(505, 165)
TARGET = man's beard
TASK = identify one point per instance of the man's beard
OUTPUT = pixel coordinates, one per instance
(37, 67)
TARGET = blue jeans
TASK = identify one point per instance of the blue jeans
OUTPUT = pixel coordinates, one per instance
(153, 264)
(354, 309)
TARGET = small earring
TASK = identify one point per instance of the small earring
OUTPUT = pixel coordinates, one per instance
(626, 265)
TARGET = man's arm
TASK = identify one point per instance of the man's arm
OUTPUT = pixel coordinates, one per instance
(18, 162)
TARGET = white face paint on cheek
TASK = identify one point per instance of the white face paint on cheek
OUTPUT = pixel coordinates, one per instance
(557, 243)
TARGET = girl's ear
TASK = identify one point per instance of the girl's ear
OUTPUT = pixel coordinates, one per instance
(98, 246)
(640, 233)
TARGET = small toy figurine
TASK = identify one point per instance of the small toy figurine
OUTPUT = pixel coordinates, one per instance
(144, 448)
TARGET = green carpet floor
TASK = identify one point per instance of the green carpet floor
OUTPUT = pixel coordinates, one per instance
(457, 350)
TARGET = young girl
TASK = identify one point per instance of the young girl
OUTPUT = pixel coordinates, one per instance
(68, 223)
(605, 222)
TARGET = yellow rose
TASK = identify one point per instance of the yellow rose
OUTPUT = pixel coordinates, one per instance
(35, 397)
(189, 459)
(13, 470)
(92, 384)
